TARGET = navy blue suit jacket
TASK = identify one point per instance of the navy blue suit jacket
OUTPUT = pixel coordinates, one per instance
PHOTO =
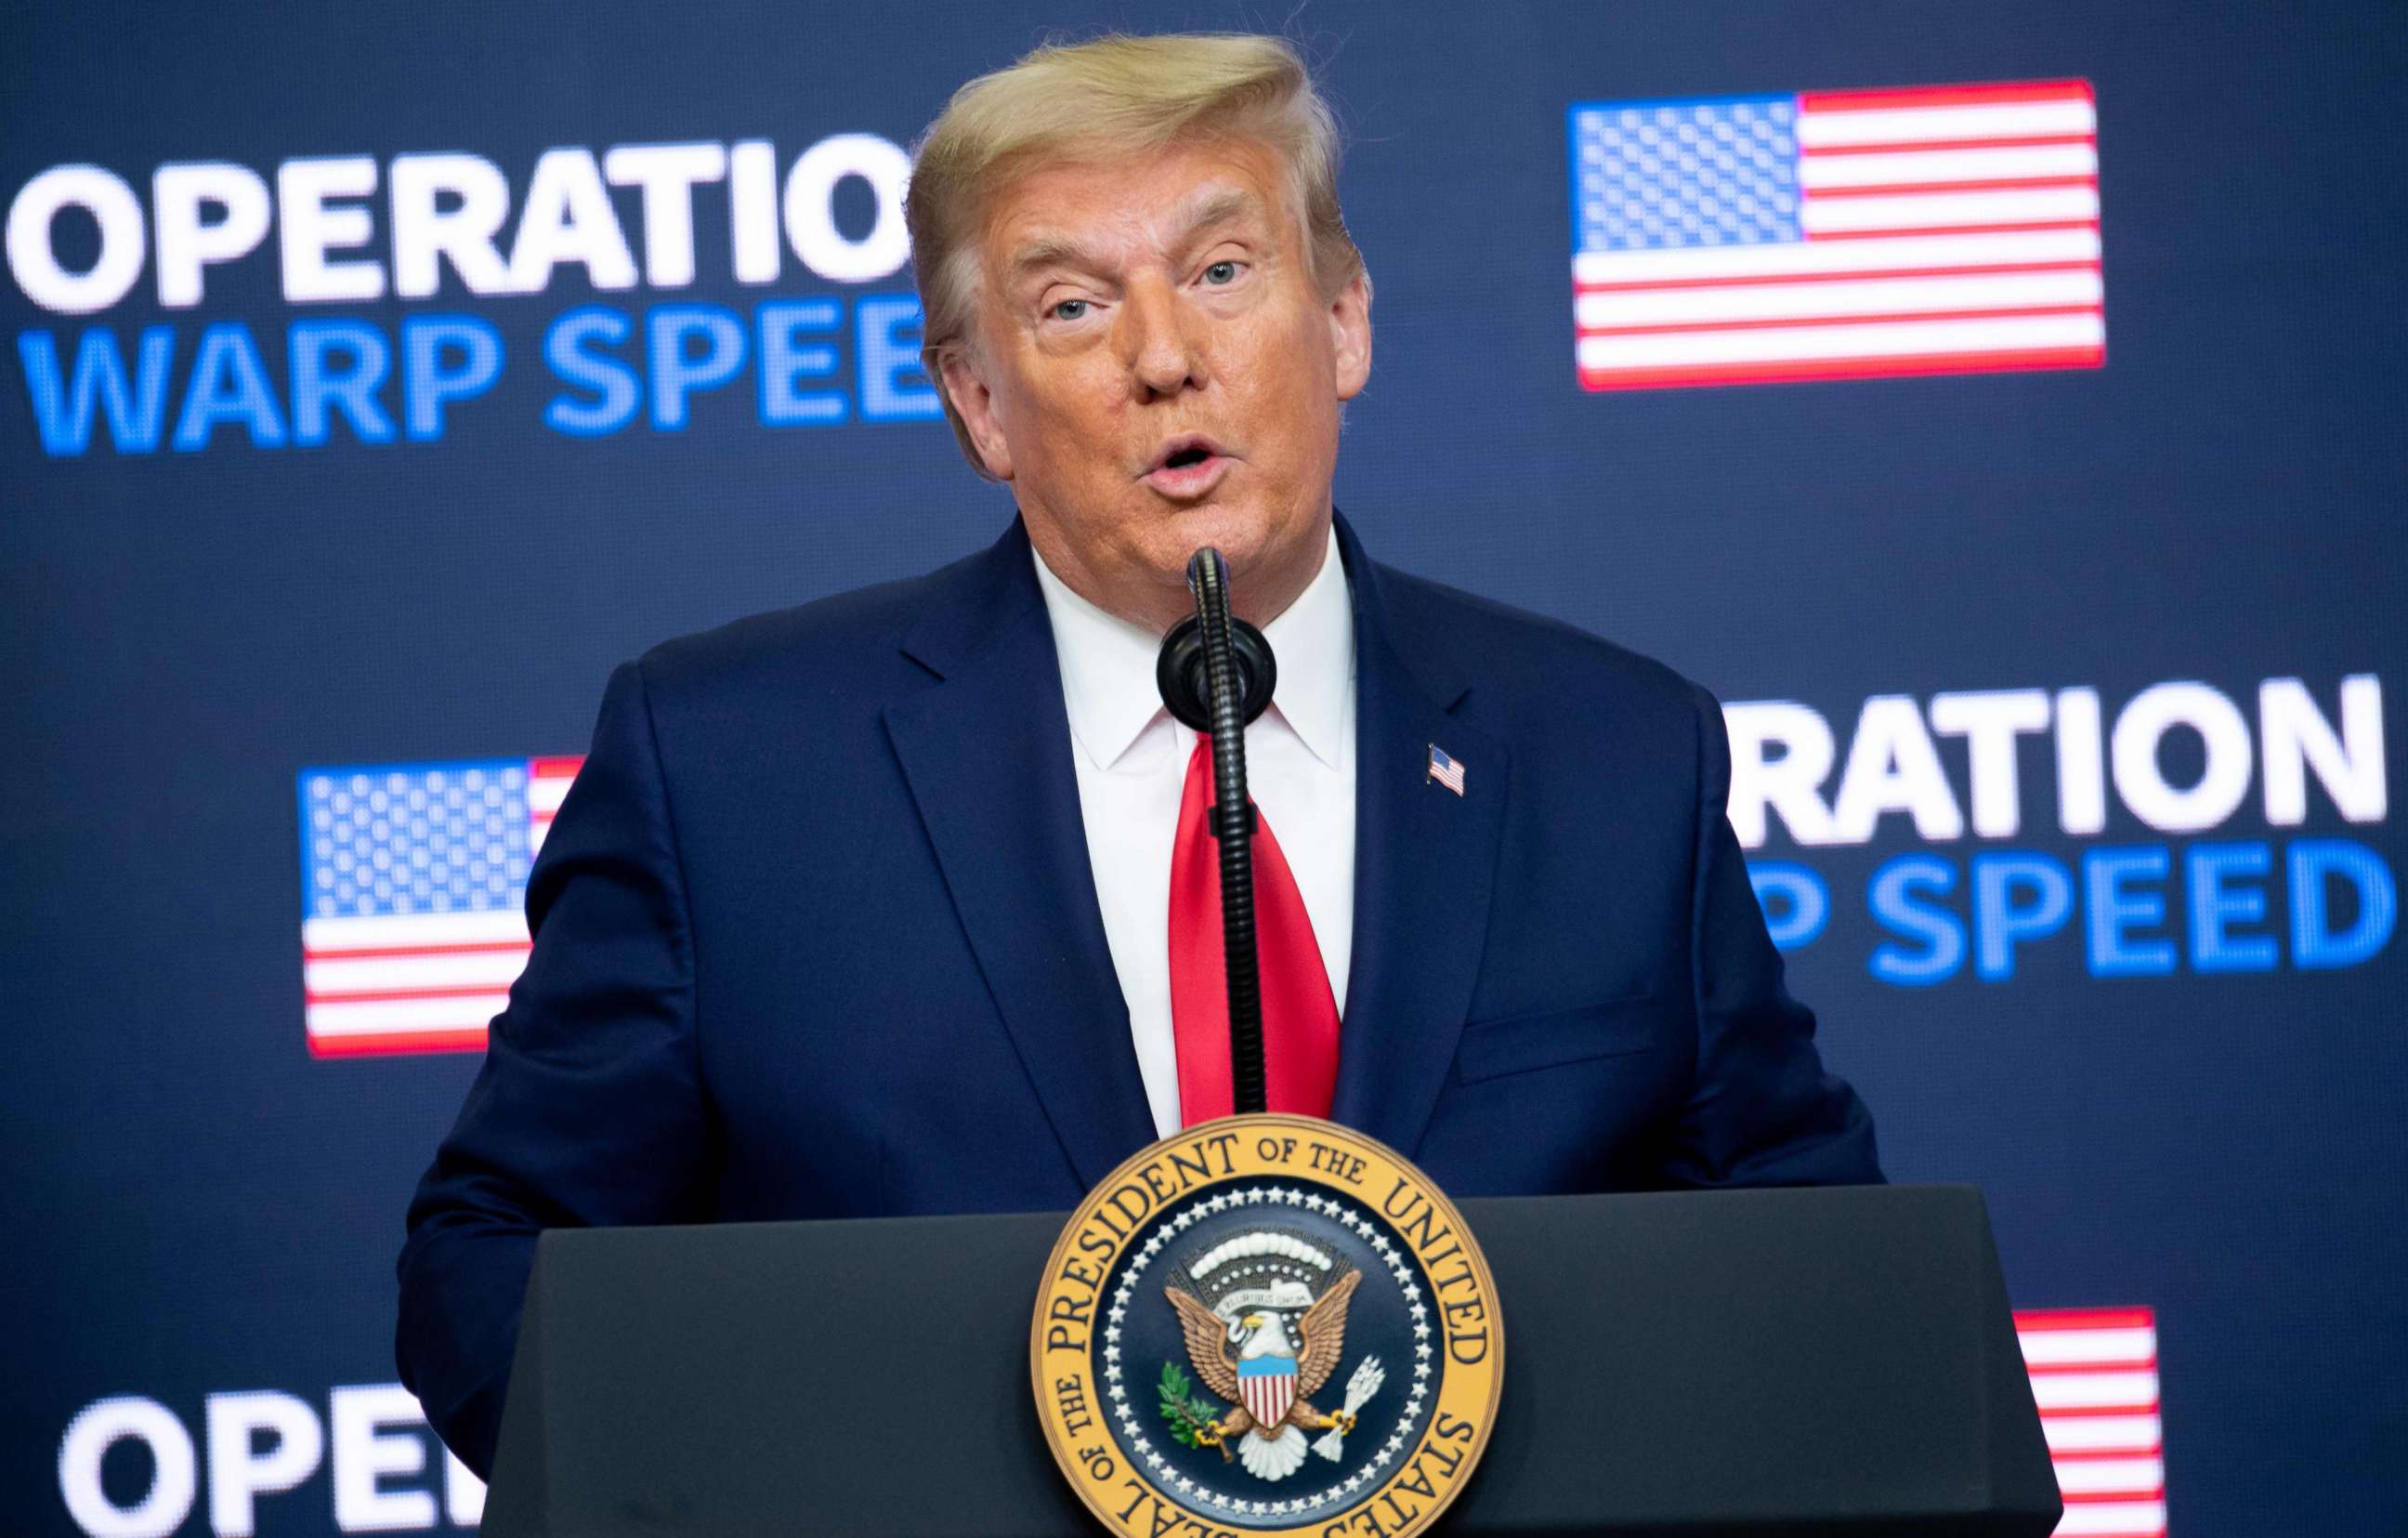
(816, 936)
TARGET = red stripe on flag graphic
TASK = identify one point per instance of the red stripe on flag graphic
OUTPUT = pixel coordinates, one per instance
(1783, 281)
(398, 1043)
(1845, 368)
(1990, 94)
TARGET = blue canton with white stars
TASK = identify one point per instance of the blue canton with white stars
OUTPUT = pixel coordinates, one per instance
(1658, 175)
(385, 842)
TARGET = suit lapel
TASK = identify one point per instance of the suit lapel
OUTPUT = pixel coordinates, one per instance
(1425, 867)
(987, 751)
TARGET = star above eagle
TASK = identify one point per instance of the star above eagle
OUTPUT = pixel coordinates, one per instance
(1253, 1344)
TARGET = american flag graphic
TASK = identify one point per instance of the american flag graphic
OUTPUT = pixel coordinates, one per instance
(2094, 1373)
(413, 899)
(1837, 234)
(1446, 771)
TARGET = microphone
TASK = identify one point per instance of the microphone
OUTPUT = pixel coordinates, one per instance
(1216, 674)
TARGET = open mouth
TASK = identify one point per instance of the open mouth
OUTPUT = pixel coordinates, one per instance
(1185, 461)
(1190, 465)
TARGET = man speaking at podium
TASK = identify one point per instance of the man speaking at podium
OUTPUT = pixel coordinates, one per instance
(904, 901)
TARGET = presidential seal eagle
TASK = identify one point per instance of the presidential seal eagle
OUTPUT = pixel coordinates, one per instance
(1250, 1360)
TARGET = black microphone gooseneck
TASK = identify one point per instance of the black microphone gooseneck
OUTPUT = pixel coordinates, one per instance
(1216, 673)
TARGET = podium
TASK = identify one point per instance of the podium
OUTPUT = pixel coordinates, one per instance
(1793, 1362)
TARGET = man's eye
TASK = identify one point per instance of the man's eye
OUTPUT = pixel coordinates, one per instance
(1221, 272)
(1070, 309)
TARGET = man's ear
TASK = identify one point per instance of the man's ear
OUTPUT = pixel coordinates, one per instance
(1350, 334)
(976, 403)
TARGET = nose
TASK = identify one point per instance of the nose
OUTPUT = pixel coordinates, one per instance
(1165, 351)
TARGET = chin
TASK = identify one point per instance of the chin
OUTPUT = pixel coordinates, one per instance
(1242, 534)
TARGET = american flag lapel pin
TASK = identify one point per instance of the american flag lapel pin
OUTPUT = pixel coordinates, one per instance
(1446, 771)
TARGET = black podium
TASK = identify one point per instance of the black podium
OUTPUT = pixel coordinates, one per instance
(1759, 1362)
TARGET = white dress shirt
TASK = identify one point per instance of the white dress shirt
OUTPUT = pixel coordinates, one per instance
(1132, 762)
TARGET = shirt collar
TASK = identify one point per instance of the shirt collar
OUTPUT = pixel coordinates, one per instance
(1108, 664)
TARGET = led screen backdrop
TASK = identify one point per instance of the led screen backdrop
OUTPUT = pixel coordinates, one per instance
(1995, 406)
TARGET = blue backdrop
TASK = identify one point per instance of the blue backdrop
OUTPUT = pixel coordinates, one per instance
(2058, 689)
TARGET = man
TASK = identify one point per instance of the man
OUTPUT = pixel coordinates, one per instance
(900, 902)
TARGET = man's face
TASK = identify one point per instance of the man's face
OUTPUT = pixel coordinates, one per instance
(1153, 370)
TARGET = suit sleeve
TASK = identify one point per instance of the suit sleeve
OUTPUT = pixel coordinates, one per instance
(1761, 1109)
(589, 1108)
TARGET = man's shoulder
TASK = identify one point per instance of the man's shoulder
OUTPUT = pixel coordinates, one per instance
(851, 640)
(1532, 660)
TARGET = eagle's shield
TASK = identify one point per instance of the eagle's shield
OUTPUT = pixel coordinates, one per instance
(1268, 1386)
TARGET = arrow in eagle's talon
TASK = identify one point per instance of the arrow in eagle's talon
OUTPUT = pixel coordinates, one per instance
(1369, 1376)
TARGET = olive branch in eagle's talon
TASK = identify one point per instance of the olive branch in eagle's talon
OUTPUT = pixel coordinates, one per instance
(1193, 1419)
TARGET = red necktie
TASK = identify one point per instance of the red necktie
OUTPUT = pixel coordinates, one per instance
(1299, 1016)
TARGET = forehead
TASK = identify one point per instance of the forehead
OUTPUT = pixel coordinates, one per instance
(1126, 208)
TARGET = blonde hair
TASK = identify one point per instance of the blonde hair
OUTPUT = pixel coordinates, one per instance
(1114, 97)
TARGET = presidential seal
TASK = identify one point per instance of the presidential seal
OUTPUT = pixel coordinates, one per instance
(1267, 1324)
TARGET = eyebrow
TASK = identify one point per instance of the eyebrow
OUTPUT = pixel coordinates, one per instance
(1226, 205)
